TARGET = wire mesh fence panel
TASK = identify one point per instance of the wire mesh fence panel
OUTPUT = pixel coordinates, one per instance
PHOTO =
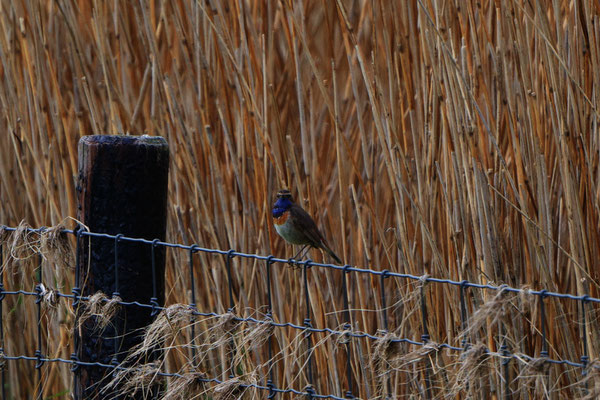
(501, 339)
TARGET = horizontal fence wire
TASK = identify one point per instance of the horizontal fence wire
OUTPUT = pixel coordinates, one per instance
(503, 354)
(311, 263)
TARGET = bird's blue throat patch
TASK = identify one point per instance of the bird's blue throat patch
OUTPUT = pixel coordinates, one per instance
(281, 205)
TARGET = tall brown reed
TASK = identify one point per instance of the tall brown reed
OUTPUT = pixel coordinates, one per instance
(454, 139)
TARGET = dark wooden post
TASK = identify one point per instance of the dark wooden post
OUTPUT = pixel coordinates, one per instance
(122, 188)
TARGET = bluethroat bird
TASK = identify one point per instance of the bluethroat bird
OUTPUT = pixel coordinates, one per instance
(297, 227)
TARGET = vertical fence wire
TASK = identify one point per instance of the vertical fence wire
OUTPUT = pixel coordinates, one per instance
(76, 291)
(114, 361)
(2, 295)
(584, 353)
(384, 317)
(505, 373)
(270, 380)
(464, 322)
(505, 360)
(347, 328)
(544, 353)
(193, 306)
(463, 316)
(308, 333)
(425, 338)
(230, 256)
(38, 351)
(154, 299)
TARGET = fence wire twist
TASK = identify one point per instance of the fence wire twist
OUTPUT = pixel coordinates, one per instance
(307, 327)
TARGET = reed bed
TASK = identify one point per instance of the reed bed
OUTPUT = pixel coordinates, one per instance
(444, 138)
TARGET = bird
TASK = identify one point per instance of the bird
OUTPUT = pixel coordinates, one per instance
(297, 227)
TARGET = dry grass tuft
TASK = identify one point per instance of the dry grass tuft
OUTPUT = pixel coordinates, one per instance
(190, 386)
(534, 375)
(419, 354)
(344, 337)
(2, 360)
(49, 296)
(137, 380)
(492, 312)
(4, 234)
(222, 331)
(167, 325)
(99, 307)
(234, 389)
(55, 245)
(474, 365)
(24, 243)
(387, 352)
(256, 335)
(590, 384)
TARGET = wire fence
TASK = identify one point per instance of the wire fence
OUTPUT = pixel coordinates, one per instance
(267, 383)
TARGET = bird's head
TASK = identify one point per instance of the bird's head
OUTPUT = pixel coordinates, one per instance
(283, 203)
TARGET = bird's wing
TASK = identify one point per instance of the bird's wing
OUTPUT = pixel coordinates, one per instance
(303, 222)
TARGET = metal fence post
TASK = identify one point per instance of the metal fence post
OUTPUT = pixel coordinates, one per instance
(122, 187)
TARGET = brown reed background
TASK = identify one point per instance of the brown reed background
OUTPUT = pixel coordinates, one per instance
(448, 138)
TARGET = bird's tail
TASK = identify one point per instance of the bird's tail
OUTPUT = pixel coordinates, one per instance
(331, 253)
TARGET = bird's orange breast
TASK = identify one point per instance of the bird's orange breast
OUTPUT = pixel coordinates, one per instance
(282, 219)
